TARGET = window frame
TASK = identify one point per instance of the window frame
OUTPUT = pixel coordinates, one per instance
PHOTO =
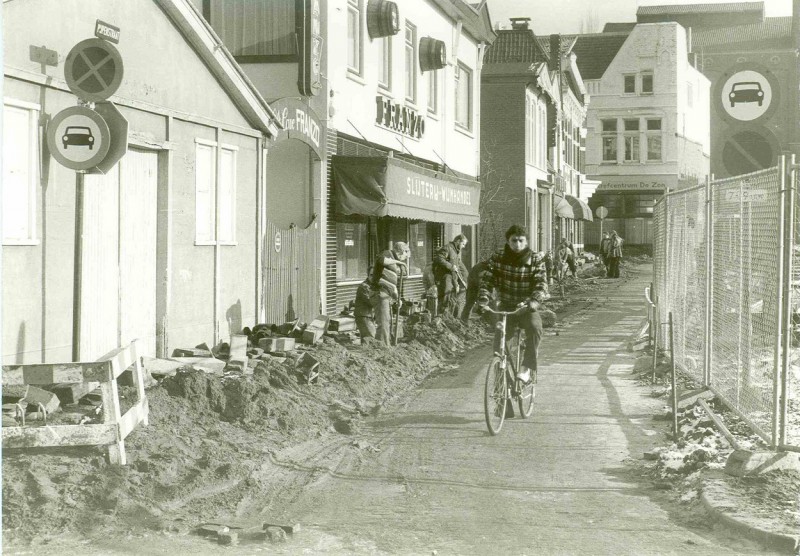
(625, 82)
(354, 7)
(649, 134)
(606, 135)
(433, 92)
(361, 227)
(213, 213)
(644, 75)
(385, 64)
(410, 50)
(32, 112)
(461, 69)
(635, 141)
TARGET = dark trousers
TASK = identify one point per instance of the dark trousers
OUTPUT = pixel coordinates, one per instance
(531, 323)
(613, 267)
(469, 303)
(452, 303)
(383, 318)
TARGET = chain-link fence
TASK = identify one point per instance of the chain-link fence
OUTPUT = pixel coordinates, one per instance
(721, 262)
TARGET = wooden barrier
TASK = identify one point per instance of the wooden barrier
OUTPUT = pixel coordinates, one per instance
(115, 426)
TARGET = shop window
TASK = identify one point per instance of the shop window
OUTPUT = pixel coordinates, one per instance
(609, 140)
(352, 251)
(411, 62)
(354, 36)
(631, 139)
(385, 62)
(647, 83)
(629, 83)
(20, 173)
(463, 96)
(654, 139)
(421, 247)
(206, 213)
(433, 92)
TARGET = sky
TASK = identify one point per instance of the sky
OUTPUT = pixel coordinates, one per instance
(568, 16)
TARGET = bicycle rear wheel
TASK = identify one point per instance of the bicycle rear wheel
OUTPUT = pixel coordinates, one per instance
(494, 396)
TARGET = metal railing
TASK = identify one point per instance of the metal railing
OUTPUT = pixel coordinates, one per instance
(723, 264)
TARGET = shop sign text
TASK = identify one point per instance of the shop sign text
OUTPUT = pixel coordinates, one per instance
(399, 118)
(297, 119)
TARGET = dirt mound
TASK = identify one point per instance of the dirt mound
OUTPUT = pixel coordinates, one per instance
(202, 453)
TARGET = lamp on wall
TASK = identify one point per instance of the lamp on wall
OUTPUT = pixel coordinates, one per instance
(383, 19)
(432, 54)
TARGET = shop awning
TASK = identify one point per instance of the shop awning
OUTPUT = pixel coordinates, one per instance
(562, 207)
(579, 208)
(379, 186)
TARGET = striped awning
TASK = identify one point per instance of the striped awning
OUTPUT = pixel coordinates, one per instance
(580, 209)
(562, 207)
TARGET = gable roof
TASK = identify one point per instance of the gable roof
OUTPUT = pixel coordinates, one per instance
(595, 52)
(771, 30)
(474, 18)
(724, 8)
(619, 27)
(515, 46)
(220, 62)
(567, 42)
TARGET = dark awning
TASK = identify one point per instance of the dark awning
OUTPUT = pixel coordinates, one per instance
(378, 186)
(580, 209)
(562, 207)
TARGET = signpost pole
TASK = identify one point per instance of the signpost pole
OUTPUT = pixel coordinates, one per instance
(77, 268)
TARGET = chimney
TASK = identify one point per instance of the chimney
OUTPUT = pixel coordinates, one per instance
(555, 51)
(520, 22)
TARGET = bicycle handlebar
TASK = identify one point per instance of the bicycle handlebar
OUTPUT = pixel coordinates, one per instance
(506, 313)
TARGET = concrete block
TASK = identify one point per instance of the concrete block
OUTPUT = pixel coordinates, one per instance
(238, 346)
(255, 352)
(159, 368)
(35, 395)
(72, 392)
(191, 352)
(276, 344)
(312, 335)
(341, 324)
(743, 463)
(275, 534)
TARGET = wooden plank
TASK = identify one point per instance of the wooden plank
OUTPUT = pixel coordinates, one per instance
(51, 373)
(120, 358)
(135, 415)
(61, 435)
(111, 416)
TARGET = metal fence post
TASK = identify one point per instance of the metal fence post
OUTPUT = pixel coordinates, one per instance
(675, 426)
(781, 332)
(708, 331)
(790, 231)
(657, 323)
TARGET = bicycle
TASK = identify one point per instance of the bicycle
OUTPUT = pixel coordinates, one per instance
(502, 385)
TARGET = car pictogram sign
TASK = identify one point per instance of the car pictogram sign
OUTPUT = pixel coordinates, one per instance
(78, 138)
(93, 69)
(746, 95)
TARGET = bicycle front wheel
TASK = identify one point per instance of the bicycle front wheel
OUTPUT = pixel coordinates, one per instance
(495, 396)
(527, 396)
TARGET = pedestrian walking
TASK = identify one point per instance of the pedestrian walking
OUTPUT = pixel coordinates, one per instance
(389, 269)
(614, 254)
(605, 244)
(566, 255)
(450, 273)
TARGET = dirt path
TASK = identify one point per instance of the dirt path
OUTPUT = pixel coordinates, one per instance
(428, 477)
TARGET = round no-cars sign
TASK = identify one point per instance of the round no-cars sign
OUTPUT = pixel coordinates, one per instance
(746, 93)
(78, 138)
(93, 69)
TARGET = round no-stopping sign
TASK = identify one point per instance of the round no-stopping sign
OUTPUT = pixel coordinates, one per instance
(78, 138)
(601, 212)
(93, 69)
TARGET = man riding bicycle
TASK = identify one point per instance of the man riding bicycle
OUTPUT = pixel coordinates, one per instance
(519, 276)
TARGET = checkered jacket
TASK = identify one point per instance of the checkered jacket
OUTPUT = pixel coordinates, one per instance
(515, 282)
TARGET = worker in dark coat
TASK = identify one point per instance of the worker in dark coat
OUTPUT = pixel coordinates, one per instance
(390, 268)
(450, 275)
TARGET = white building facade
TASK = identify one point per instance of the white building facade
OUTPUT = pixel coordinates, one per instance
(648, 127)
